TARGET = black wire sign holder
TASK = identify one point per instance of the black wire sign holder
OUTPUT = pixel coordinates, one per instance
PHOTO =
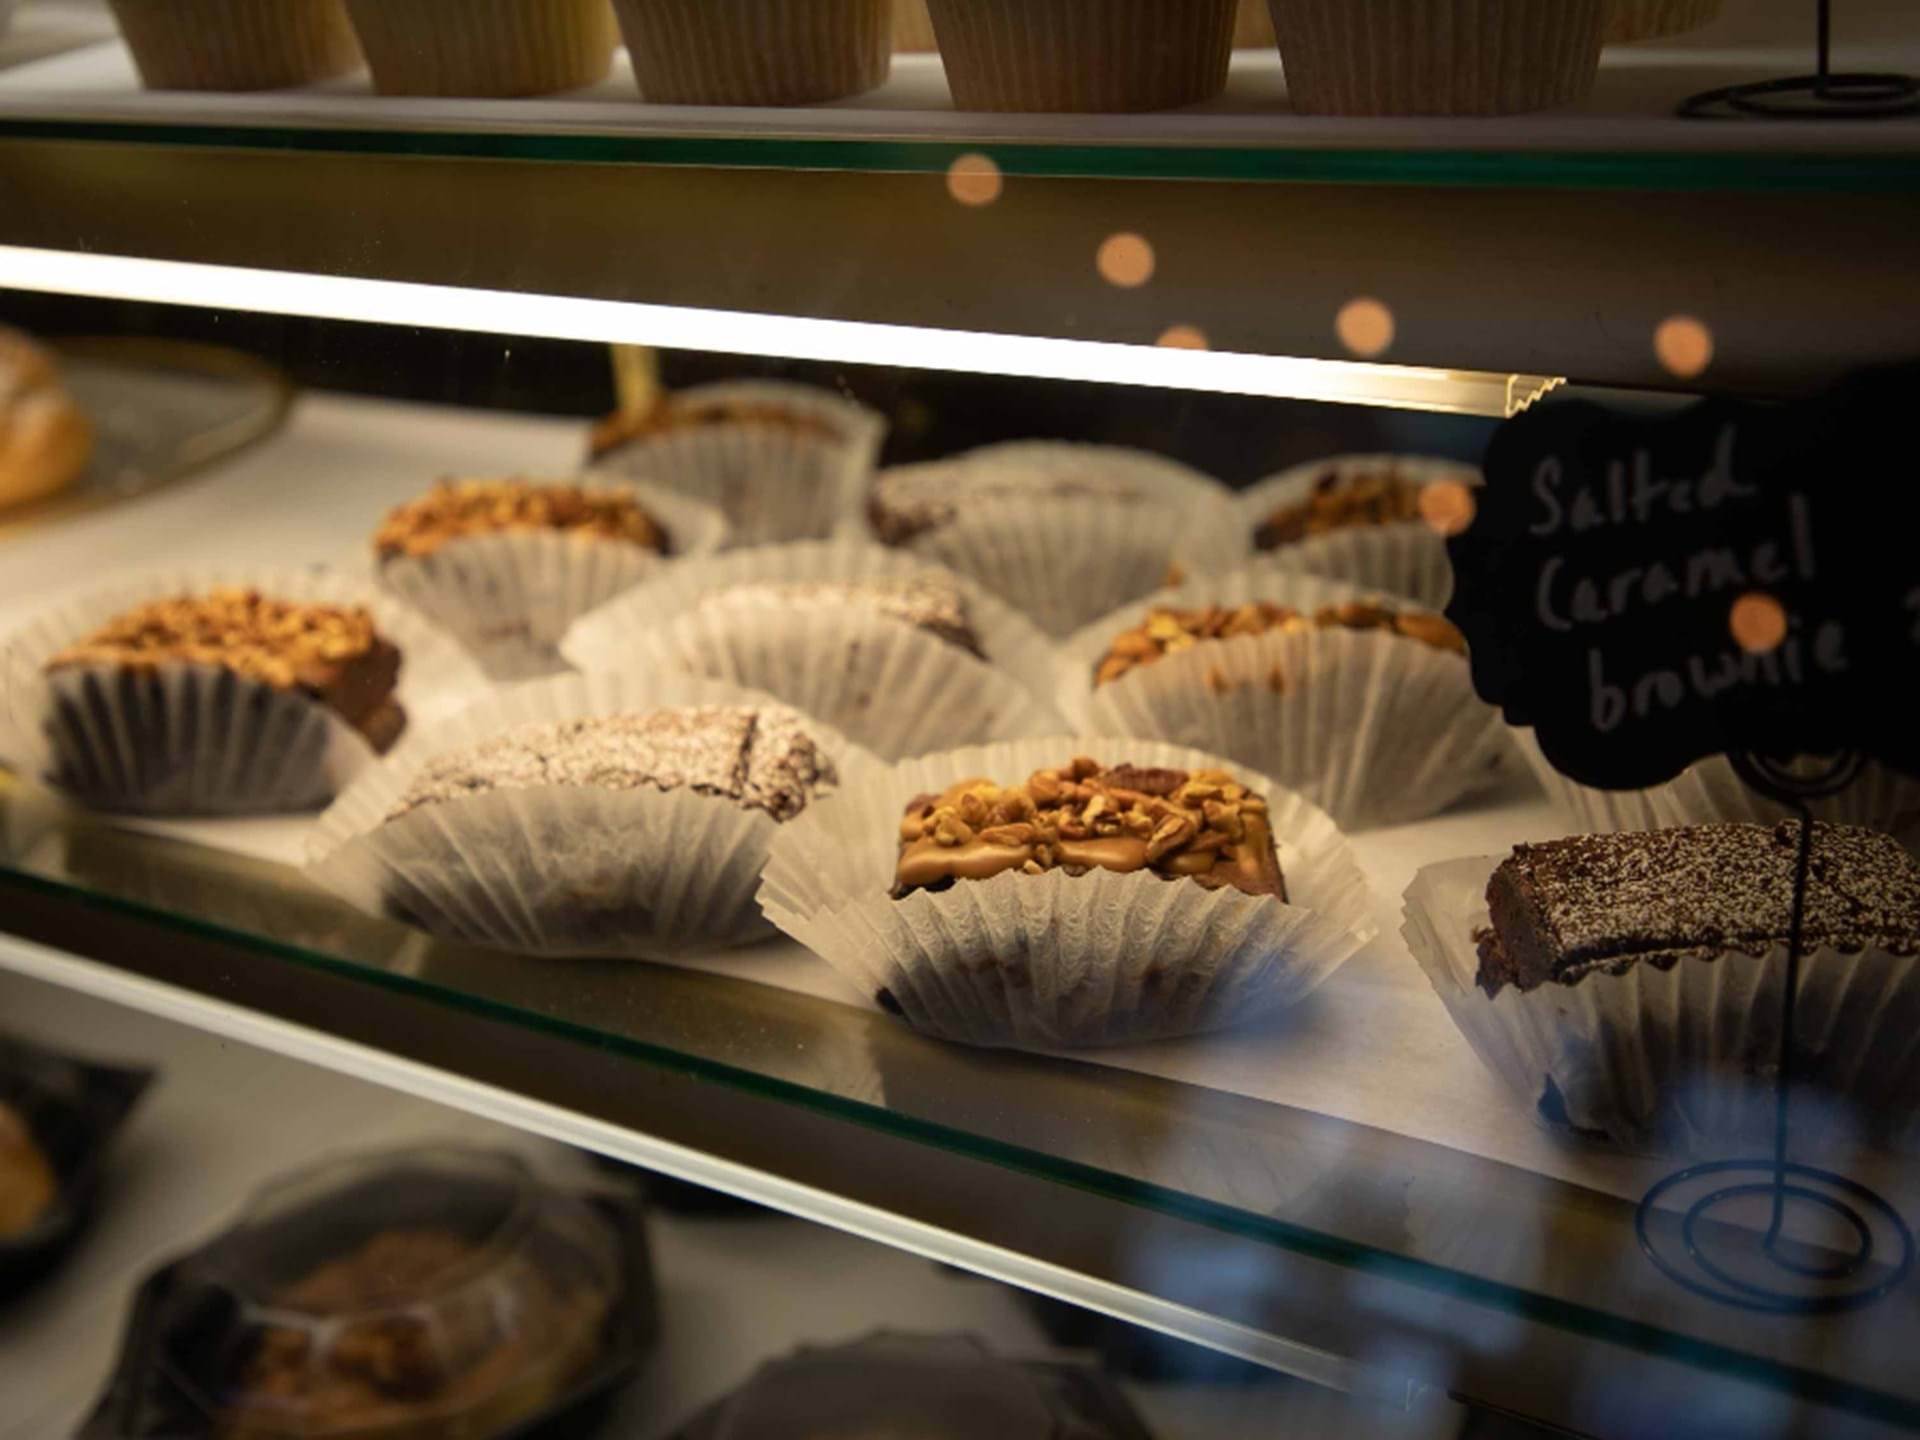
(1822, 95)
(1787, 1182)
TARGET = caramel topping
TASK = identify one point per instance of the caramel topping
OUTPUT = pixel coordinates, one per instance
(1372, 497)
(276, 642)
(625, 427)
(454, 509)
(1201, 825)
(1167, 632)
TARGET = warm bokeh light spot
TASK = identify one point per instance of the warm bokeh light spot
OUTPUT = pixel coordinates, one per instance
(1365, 327)
(1683, 345)
(1448, 506)
(974, 180)
(1758, 622)
(1184, 337)
(1125, 260)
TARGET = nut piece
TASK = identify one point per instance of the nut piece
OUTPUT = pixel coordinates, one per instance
(1372, 497)
(454, 509)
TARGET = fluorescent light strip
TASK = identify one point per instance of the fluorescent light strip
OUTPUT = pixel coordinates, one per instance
(739, 332)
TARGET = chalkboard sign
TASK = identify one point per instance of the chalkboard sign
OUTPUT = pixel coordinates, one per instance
(1733, 577)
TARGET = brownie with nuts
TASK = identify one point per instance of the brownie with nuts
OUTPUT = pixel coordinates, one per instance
(676, 417)
(1168, 631)
(922, 601)
(1383, 496)
(456, 509)
(1198, 825)
(1602, 904)
(331, 653)
(755, 757)
(907, 502)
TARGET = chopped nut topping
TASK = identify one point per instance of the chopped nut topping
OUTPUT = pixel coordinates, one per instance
(625, 427)
(1372, 497)
(1201, 825)
(454, 509)
(1168, 632)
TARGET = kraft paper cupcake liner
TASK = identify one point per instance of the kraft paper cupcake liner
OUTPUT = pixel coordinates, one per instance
(485, 48)
(1629, 20)
(1438, 57)
(1375, 727)
(1683, 1060)
(200, 740)
(771, 482)
(508, 597)
(1407, 558)
(237, 44)
(1059, 960)
(757, 52)
(1065, 560)
(887, 685)
(561, 870)
(1709, 792)
(913, 28)
(1084, 56)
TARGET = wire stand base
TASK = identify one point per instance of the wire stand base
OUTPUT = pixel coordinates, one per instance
(1822, 95)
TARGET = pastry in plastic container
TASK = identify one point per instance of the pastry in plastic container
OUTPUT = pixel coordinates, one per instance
(45, 437)
(757, 52)
(418, 1295)
(237, 44)
(484, 48)
(932, 1387)
(58, 1118)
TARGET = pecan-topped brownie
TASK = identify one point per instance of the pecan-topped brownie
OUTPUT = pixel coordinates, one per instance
(1169, 631)
(1201, 825)
(331, 653)
(922, 601)
(1382, 496)
(677, 416)
(1567, 909)
(456, 509)
(757, 757)
(909, 501)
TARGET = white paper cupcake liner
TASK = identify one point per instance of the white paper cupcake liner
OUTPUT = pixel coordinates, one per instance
(1058, 960)
(559, 870)
(885, 684)
(200, 740)
(1376, 728)
(1709, 792)
(771, 482)
(1063, 561)
(1406, 558)
(508, 597)
(1682, 1060)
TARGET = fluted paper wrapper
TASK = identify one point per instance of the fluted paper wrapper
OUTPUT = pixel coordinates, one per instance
(1709, 792)
(1374, 727)
(485, 48)
(888, 686)
(1063, 561)
(1084, 56)
(1059, 960)
(1630, 20)
(757, 52)
(201, 740)
(237, 44)
(1438, 57)
(559, 870)
(509, 596)
(1407, 558)
(1682, 1059)
(770, 482)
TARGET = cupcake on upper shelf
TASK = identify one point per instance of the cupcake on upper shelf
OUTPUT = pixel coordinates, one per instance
(1630, 20)
(505, 566)
(1084, 56)
(1361, 703)
(1438, 57)
(896, 653)
(45, 437)
(1061, 532)
(1630, 985)
(237, 44)
(1378, 521)
(484, 48)
(757, 52)
(780, 461)
(213, 695)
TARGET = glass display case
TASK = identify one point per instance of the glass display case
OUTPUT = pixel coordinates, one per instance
(1087, 650)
